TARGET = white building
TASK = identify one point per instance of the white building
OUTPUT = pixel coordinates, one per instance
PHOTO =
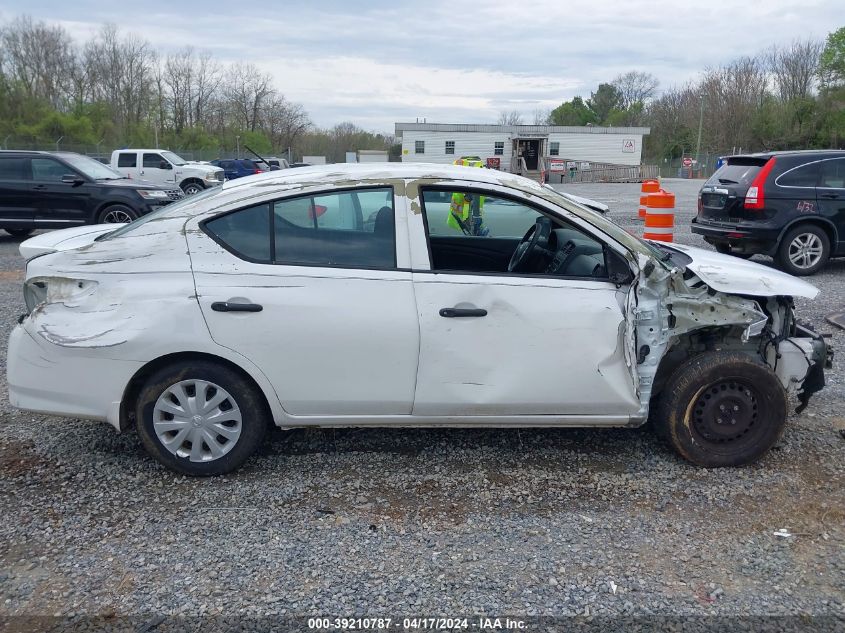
(541, 147)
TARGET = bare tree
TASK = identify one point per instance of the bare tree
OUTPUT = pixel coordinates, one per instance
(247, 90)
(794, 67)
(510, 118)
(284, 122)
(635, 87)
(542, 116)
(40, 59)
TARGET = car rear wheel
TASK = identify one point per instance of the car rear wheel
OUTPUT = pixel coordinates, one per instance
(725, 249)
(721, 409)
(116, 214)
(804, 250)
(19, 232)
(200, 418)
(192, 188)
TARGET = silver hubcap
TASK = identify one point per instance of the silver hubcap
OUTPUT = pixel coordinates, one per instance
(191, 190)
(805, 251)
(198, 420)
(117, 216)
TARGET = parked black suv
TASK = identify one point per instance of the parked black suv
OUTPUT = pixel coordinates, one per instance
(48, 190)
(790, 205)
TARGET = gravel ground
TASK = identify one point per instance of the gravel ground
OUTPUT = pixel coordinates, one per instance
(426, 522)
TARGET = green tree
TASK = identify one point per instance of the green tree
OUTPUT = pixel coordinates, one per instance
(574, 112)
(832, 60)
(604, 101)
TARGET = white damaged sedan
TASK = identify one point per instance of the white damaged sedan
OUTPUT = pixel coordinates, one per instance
(402, 295)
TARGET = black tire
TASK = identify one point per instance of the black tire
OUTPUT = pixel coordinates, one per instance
(244, 399)
(19, 232)
(725, 249)
(116, 214)
(192, 188)
(807, 232)
(721, 409)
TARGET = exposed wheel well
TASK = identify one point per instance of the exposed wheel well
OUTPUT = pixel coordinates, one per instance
(191, 180)
(130, 394)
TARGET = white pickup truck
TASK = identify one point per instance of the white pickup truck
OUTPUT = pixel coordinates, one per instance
(165, 168)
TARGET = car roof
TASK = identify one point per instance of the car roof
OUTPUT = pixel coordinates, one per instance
(792, 152)
(344, 172)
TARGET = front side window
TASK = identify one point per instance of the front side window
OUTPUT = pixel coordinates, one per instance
(475, 231)
(127, 159)
(419, 147)
(499, 148)
(554, 149)
(49, 170)
(450, 147)
(353, 229)
(12, 168)
(153, 161)
(833, 174)
(804, 176)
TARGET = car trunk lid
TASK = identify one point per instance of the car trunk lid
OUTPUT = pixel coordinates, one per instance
(722, 198)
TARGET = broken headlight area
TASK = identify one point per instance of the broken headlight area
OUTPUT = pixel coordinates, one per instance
(44, 290)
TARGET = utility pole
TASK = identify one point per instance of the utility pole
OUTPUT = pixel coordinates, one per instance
(59, 140)
(700, 121)
(238, 142)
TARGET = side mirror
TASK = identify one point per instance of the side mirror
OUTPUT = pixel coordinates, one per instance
(618, 269)
(72, 179)
(165, 165)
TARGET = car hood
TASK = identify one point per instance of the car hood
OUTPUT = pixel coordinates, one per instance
(595, 205)
(199, 167)
(63, 240)
(733, 275)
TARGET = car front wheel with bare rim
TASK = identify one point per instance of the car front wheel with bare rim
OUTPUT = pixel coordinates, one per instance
(200, 418)
(721, 409)
(804, 250)
(116, 214)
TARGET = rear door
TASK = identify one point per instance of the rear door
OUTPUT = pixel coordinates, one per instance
(336, 331)
(127, 164)
(58, 203)
(17, 202)
(830, 196)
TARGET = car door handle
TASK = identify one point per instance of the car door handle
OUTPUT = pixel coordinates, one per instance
(829, 195)
(225, 306)
(39, 187)
(454, 313)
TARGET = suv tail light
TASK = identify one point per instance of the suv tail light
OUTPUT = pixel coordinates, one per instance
(755, 197)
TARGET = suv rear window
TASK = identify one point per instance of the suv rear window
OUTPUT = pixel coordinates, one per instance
(738, 171)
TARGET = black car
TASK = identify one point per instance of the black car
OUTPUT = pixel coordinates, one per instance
(48, 190)
(790, 205)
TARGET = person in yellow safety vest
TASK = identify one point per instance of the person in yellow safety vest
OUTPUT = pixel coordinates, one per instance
(466, 211)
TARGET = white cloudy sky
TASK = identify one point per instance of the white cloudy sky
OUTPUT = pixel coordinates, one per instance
(379, 62)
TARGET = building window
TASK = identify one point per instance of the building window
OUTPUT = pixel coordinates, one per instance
(450, 147)
(554, 149)
(499, 148)
(419, 147)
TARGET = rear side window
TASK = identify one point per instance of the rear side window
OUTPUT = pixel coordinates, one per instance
(741, 172)
(352, 229)
(12, 168)
(833, 174)
(248, 164)
(803, 176)
(127, 160)
(245, 232)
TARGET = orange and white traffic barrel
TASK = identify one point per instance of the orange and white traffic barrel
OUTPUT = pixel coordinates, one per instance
(648, 186)
(660, 216)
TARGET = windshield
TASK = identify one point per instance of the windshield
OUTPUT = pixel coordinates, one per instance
(92, 168)
(175, 206)
(174, 158)
(607, 226)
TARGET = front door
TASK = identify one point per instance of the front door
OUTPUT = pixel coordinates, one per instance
(315, 291)
(155, 169)
(58, 203)
(544, 341)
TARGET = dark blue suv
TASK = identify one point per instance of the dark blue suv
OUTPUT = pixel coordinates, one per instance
(237, 167)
